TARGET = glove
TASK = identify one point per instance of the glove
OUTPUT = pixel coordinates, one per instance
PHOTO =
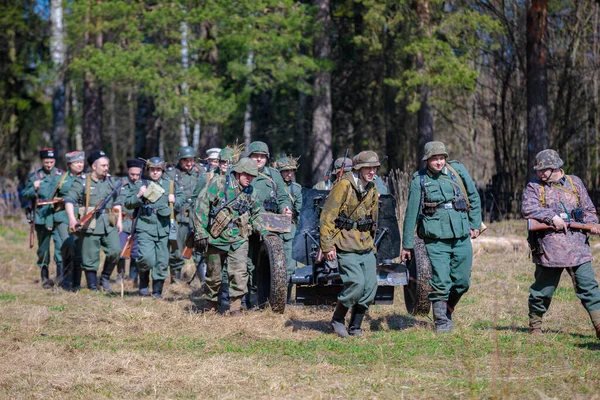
(201, 245)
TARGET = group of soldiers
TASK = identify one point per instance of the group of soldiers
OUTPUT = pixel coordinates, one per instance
(217, 210)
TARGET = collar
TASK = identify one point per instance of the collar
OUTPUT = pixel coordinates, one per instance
(431, 174)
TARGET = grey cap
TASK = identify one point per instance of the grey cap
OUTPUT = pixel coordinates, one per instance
(547, 159)
(434, 149)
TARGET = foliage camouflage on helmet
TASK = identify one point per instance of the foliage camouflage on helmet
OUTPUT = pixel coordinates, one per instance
(258, 148)
(156, 162)
(231, 153)
(547, 159)
(347, 162)
(434, 149)
(366, 158)
(287, 163)
(247, 165)
(186, 152)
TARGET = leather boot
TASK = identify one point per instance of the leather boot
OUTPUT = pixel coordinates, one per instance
(356, 320)
(76, 284)
(45, 277)
(144, 282)
(210, 306)
(133, 271)
(120, 271)
(157, 288)
(453, 300)
(59, 274)
(105, 283)
(338, 322)
(224, 299)
(441, 321)
(67, 278)
(236, 307)
(535, 323)
(92, 280)
(251, 300)
(176, 276)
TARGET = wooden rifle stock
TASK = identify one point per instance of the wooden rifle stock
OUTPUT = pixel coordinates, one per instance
(319, 256)
(126, 252)
(187, 252)
(533, 225)
(50, 201)
(87, 218)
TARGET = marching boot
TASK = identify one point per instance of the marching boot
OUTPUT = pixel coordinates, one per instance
(338, 322)
(157, 287)
(176, 276)
(251, 300)
(236, 307)
(535, 323)
(105, 283)
(120, 271)
(144, 282)
(440, 319)
(67, 278)
(45, 277)
(453, 300)
(133, 272)
(356, 320)
(224, 299)
(92, 280)
(76, 284)
(59, 274)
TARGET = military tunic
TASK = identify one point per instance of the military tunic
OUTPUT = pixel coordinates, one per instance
(128, 216)
(152, 228)
(294, 191)
(44, 223)
(231, 245)
(446, 232)
(355, 249)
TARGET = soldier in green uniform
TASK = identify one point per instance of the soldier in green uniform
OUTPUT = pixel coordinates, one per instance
(270, 192)
(348, 225)
(444, 206)
(41, 185)
(224, 217)
(187, 176)
(69, 251)
(103, 230)
(329, 181)
(212, 158)
(156, 198)
(287, 167)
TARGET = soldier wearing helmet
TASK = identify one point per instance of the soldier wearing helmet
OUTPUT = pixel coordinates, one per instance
(190, 178)
(444, 206)
(557, 199)
(225, 214)
(331, 178)
(347, 226)
(156, 198)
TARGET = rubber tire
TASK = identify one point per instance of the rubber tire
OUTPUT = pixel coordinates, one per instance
(416, 293)
(271, 274)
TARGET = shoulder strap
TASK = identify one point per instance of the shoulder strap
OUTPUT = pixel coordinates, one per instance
(87, 192)
(575, 192)
(172, 191)
(460, 184)
(423, 192)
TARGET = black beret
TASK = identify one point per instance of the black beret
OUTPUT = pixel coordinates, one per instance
(47, 153)
(95, 155)
(135, 163)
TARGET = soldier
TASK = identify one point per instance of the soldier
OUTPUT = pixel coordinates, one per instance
(212, 159)
(556, 199)
(329, 181)
(444, 204)
(69, 251)
(287, 167)
(270, 192)
(135, 168)
(157, 200)
(41, 185)
(187, 176)
(224, 217)
(103, 230)
(348, 225)
(381, 187)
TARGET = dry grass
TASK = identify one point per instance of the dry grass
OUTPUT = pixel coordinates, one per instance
(82, 345)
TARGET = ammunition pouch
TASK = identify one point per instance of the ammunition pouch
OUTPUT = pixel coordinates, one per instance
(365, 224)
(146, 210)
(343, 222)
(243, 223)
(577, 214)
(460, 204)
(429, 209)
(270, 205)
(221, 220)
(242, 207)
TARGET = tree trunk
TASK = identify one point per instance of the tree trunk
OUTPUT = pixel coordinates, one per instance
(58, 55)
(425, 113)
(184, 130)
(320, 144)
(537, 83)
(112, 127)
(92, 102)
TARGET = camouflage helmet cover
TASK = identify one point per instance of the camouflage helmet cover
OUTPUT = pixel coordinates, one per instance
(258, 148)
(346, 162)
(547, 159)
(366, 158)
(287, 163)
(226, 154)
(434, 149)
(156, 162)
(246, 165)
(186, 152)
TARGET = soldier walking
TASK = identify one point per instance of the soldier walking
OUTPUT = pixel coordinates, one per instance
(348, 226)
(329, 181)
(444, 205)
(557, 199)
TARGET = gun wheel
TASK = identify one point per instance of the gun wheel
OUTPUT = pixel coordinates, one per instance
(271, 274)
(418, 288)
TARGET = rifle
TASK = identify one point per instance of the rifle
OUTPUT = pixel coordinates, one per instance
(32, 221)
(126, 252)
(95, 213)
(327, 178)
(341, 171)
(50, 201)
(533, 225)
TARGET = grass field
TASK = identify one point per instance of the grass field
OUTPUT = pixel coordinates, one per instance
(56, 344)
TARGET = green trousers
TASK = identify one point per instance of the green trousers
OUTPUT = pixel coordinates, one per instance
(287, 247)
(237, 271)
(153, 255)
(43, 252)
(359, 275)
(546, 281)
(90, 245)
(451, 261)
(176, 262)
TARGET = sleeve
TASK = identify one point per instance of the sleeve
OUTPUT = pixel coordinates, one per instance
(117, 198)
(75, 192)
(200, 214)
(255, 218)
(531, 206)
(200, 184)
(474, 199)
(298, 200)
(589, 210)
(179, 198)
(283, 200)
(29, 191)
(331, 210)
(131, 200)
(411, 214)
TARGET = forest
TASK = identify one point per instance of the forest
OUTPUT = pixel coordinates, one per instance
(496, 80)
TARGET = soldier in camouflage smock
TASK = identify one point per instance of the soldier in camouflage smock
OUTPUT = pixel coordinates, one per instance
(224, 217)
(41, 184)
(556, 199)
(444, 202)
(348, 226)
(187, 176)
(329, 181)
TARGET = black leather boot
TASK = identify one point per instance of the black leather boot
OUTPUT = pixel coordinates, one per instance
(157, 287)
(59, 274)
(440, 319)
(224, 300)
(120, 271)
(76, 284)
(92, 280)
(356, 320)
(338, 322)
(45, 277)
(144, 282)
(133, 270)
(105, 283)
(453, 300)
(175, 276)
(67, 278)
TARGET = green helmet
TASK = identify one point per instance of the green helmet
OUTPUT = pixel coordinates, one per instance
(258, 148)
(286, 163)
(226, 154)
(247, 165)
(434, 149)
(547, 159)
(156, 162)
(186, 152)
(337, 164)
(366, 158)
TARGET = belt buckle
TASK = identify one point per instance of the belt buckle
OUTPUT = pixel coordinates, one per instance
(447, 206)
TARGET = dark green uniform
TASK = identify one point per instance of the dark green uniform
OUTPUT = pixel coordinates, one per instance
(294, 191)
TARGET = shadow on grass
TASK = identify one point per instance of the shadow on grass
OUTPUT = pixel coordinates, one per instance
(394, 322)
(300, 325)
(590, 345)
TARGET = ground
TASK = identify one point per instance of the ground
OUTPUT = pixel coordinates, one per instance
(81, 345)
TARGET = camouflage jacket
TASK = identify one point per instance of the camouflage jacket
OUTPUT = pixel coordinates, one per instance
(542, 202)
(43, 215)
(240, 225)
(187, 182)
(441, 189)
(345, 198)
(63, 186)
(269, 183)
